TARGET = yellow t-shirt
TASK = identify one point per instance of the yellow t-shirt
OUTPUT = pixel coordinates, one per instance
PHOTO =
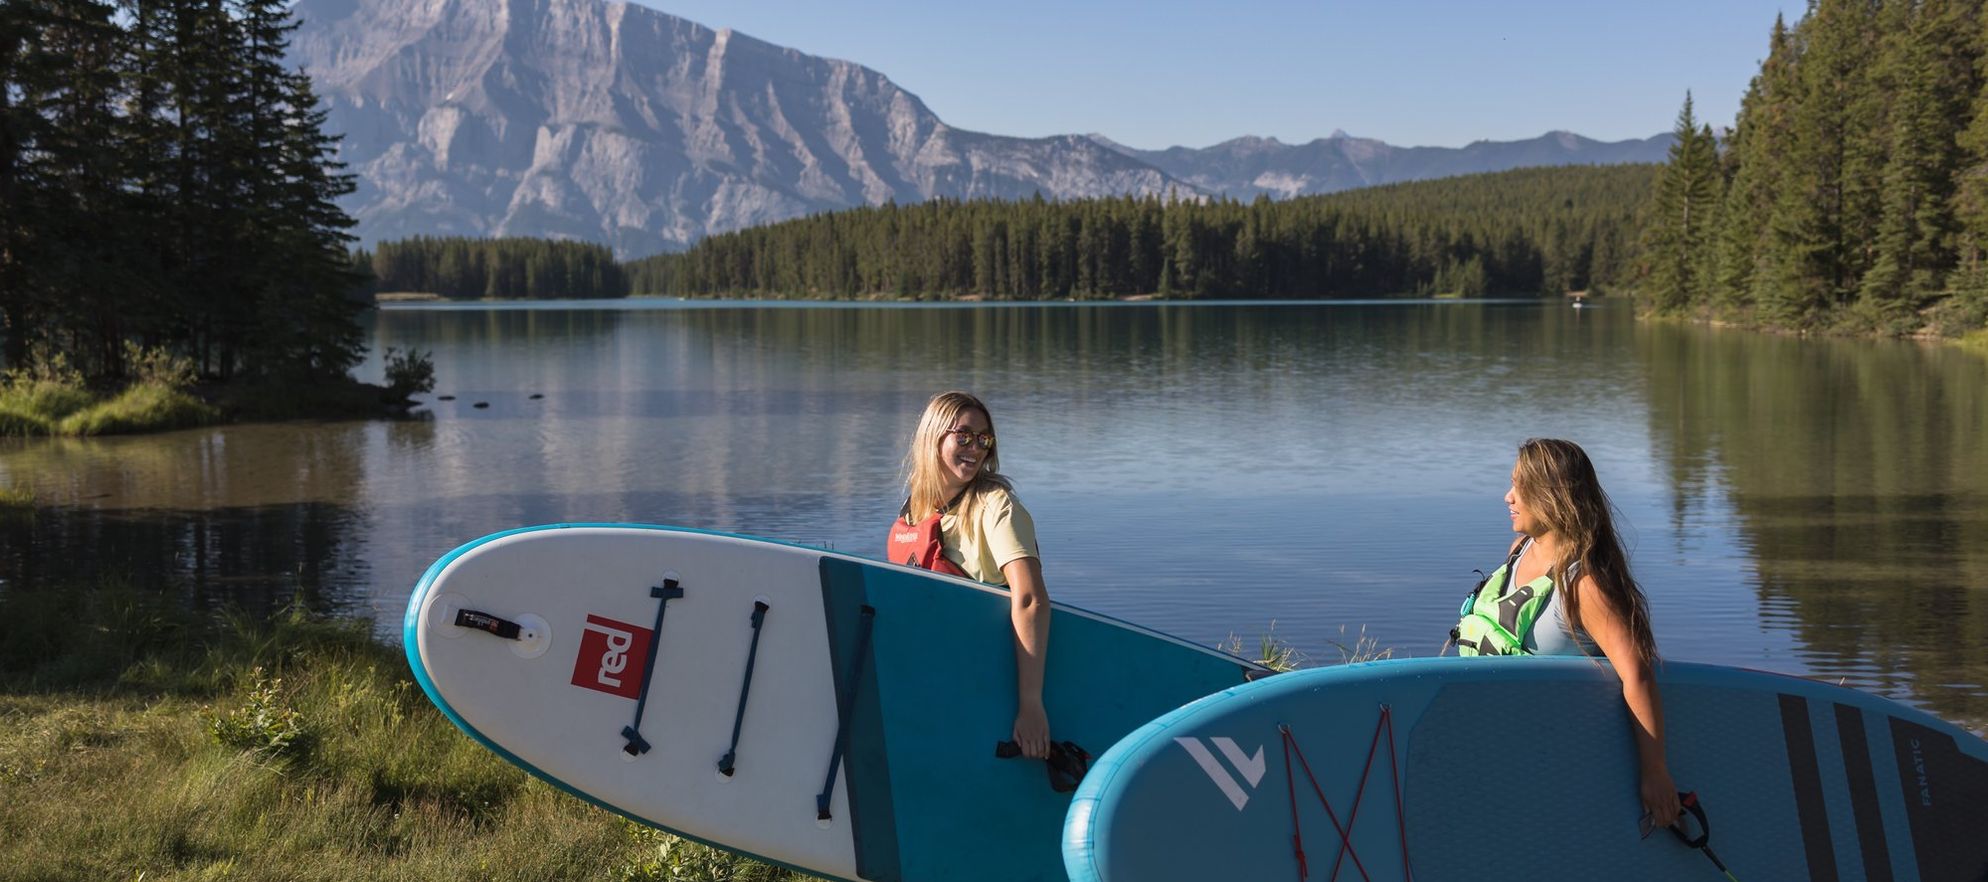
(1000, 532)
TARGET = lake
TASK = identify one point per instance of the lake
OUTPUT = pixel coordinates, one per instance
(1322, 472)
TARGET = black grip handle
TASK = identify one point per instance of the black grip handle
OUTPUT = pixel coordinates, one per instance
(1689, 800)
(483, 621)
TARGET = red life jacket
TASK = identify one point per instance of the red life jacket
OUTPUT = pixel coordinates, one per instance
(918, 545)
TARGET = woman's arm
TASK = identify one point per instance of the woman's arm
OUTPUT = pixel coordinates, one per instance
(1029, 609)
(1610, 631)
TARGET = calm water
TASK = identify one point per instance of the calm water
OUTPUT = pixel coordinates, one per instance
(1809, 507)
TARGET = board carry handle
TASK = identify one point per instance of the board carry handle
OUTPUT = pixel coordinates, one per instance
(848, 703)
(1695, 808)
(729, 763)
(483, 621)
(1067, 762)
(665, 593)
(1689, 800)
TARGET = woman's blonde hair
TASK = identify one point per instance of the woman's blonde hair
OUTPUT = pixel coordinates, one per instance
(924, 478)
(1557, 481)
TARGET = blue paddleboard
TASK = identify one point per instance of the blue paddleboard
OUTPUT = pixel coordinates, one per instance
(820, 711)
(1524, 768)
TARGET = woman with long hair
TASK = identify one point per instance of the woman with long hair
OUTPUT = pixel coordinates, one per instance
(961, 517)
(1565, 589)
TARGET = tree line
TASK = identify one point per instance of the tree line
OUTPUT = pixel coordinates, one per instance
(1852, 190)
(509, 268)
(165, 182)
(1519, 232)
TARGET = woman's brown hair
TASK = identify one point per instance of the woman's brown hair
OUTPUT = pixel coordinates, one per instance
(1557, 480)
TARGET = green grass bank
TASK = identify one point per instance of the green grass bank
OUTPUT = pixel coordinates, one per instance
(49, 407)
(142, 740)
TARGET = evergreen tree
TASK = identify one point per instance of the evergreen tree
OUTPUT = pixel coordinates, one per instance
(1925, 65)
(1970, 199)
(1681, 219)
(1753, 167)
(1814, 211)
(1487, 233)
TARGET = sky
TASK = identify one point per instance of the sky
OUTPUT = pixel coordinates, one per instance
(1160, 73)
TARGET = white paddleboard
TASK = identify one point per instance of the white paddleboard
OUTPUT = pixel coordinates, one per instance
(612, 660)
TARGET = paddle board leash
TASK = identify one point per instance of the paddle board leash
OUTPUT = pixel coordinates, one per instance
(728, 763)
(1689, 800)
(1346, 850)
(847, 704)
(664, 593)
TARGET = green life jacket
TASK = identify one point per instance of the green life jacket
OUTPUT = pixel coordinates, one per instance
(1495, 620)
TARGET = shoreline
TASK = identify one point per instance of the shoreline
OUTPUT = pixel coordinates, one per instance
(286, 746)
(1976, 340)
(47, 409)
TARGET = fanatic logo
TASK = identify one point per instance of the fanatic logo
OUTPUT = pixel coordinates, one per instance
(1251, 766)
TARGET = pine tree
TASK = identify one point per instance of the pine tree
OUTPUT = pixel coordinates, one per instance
(1681, 212)
(1970, 199)
(1815, 205)
(1752, 163)
(62, 174)
(1925, 65)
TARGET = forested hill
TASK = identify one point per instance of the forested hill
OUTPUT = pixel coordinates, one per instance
(1519, 232)
(1852, 192)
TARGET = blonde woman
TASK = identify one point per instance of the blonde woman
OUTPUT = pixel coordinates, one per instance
(961, 517)
(1565, 589)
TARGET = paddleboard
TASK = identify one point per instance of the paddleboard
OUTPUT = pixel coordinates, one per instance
(819, 711)
(1524, 768)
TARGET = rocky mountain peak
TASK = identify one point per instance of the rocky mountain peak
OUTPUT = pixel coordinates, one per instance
(616, 123)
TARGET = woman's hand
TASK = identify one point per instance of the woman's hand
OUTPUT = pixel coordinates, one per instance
(1032, 729)
(1660, 797)
(1029, 611)
(1639, 691)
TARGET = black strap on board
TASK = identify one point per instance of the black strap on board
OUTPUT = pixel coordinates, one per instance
(664, 593)
(729, 763)
(1689, 802)
(1067, 762)
(846, 711)
(483, 621)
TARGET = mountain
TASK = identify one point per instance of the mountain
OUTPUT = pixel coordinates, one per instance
(615, 123)
(1245, 167)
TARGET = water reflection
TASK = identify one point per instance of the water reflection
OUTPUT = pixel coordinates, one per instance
(1858, 478)
(1811, 507)
(251, 517)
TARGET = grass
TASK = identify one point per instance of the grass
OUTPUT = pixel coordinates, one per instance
(141, 740)
(53, 408)
(1976, 340)
(145, 407)
(1279, 655)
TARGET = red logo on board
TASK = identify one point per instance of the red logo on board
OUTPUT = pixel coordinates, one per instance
(612, 655)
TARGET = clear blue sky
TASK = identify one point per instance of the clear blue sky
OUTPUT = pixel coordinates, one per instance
(1159, 73)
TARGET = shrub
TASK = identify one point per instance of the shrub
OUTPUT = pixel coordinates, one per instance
(409, 373)
(158, 366)
(16, 421)
(141, 408)
(262, 725)
(38, 393)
